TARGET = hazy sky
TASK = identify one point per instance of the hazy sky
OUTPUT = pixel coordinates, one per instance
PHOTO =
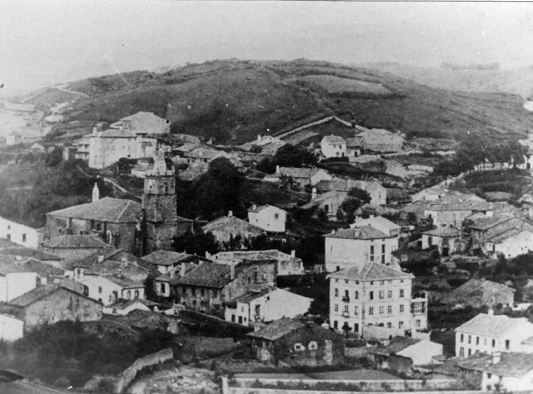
(49, 41)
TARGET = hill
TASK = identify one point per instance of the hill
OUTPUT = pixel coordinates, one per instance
(233, 101)
(517, 81)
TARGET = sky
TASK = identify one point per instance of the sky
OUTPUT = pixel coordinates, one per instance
(51, 41)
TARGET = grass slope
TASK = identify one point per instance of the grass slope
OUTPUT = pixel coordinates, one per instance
(233, 101)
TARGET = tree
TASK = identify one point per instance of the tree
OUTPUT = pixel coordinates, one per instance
(197, 243)
(356, 199)
(294, 156)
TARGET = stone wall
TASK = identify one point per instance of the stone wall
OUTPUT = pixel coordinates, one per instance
(241, 390)
(129, 374)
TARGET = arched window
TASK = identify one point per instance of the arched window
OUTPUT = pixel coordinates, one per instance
(136, 294)
(313, 345)
(128, 294)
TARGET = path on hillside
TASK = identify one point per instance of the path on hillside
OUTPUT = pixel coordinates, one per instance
(62, 89)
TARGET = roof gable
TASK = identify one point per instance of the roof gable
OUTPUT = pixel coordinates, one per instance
(107, 209)
(371, 271)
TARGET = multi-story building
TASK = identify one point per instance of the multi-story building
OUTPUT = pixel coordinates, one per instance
(333, 146)
(20, 233)
(357, 246)
(268, 218)
(377, 295)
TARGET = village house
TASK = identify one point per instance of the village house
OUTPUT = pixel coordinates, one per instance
(379, 223)
(165, 261)
(8, 248)
(329, 202)
(265, 306)
(11, 328)
(50, 304)
(509, 245)
(300, 176)
(378, 194)
(229, 227)
(511, 372)
(451, 210)
(82, 147)
(269, 145)
(74, 247)
(286, 264)
(347, 248)
(295, 343)
(489, 333)
(380, 140)
(333, 146)
(107, 289)
(143, 123)
(377, 295)
(123, 307)
(166, 285)
(400, 354)
(480, 292)
(431, 193)
(268, 217)
(447, 240)
(497, 234)
(20, 275)
(20, 233)
(354, 147)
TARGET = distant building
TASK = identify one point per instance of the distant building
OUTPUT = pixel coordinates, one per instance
(164, 261)
(143, 123)
(11, 328)
(354, 147)
(347, 248)
(501, 234)
(20, 233)
(430, 194)
(510, 246)
(228, 227)
(380, 140)
(286, 264)
(301, 176)
(489, 333)
(480, 292)
(295, 343)
(377, 193)
(452, 210)
(268, 218)
(166, 285)
(107, 289)
(375, 294)
(74, 247)
(447, 240)
(265, 306)
(123, 307)
(379, 223)
(512, 372)
(333, 146)
(329, 202)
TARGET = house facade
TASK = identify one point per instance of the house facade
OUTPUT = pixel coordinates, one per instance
(268, 218)
(512, 372)
(510, 246)
(229, 227)
(286, 264)
(357, 246)
(107, 289)
(20, 233)
(447, 240)
(333, 146)
(300, 176)
(501, 234)
(329, 202)
(265, 306)
(480, 292)
(375, 295)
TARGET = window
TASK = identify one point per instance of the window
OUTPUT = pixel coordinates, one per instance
(383, 248)
(469, 352)
(389, 325)
(100, 289)
(356, 311)
(298, 347)
(507, 344)
(336, 307)
(346, 294)
(346, 308)
(381, 310)
(202, 292)
(484, 341)
(23, 237)
(335, 324)
(489, 375)
(462, 337)
(402, 308)
(9, 237)
(128, 294)
(494, 343)
(136, 294)
(336, 292)
(371, 249)
(417, 323)
(401, 293)
(276, 216)
(389, 309)
(371, 311)
(389, 294)
(381, 294)
(400, 325)
(430, 241)
(477, 340)
(462, 352)
(371, 295)
(313, 345)
(356, 295)
(9, 227)
(469, 339)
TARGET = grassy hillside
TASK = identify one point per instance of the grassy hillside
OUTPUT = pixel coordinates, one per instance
(233, 101)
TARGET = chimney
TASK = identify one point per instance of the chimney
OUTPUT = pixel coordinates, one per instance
(254, 207)
(259, 138)
(207, 255)
(100, 258)
(490, 312)
(277, 168)
(96, 192)
(230, 214)
(182, 270)
(496, 357)
(313, 193)
(293, 253)
(232, 272)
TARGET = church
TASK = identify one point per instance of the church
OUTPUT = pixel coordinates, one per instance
(137, 228)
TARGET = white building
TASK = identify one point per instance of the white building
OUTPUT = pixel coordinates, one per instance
(510, 246)
(20, 233)
(268, 218)
(11, 328)
(377, 295)
(109, 288)
(266, 306)
(508, 372)
(447, 240)
(333, 146)
(15, 284)
(489, 333)
(357, 246)
(379, 223)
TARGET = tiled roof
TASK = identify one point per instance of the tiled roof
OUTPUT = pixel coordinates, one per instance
(12, 264)
(111, 267)
(113, 133)
(444, 232)
(325, 197)
(232, 224)
(107, 209)
(163, 257)
(463, 291)
(511, 364)
(28, 252)
(395, 345)
(370, 271)
(334, 139)
(377, 220)
(354, 142)
(124, 281)
(259, 208)
(76, 242)
(123, 304)
(254, 255)
(486, 223)
(492, 325)
(363, 232)
(145, 122)
(174, 274)
(39, 293)
(208, 275)
(277, 329)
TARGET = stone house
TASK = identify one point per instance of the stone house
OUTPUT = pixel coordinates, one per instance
(377, 295)
(74, 247)
(20, 233)
(329, 202)
(489, 234)
(512, 372)
(378, 194)
(489, 333)
(82, 147)
(164, 261)
(286, 264)
(354, 147)
(107, 289)
(166, 285)
(452, 209)
(480, 292)
(333, 146)
(143, 123)
(301, 176)
(11, 328)
(50, 304)
(510, 245)
(228, 227)
(357, 246)
(295, 343)
(265, 306)
(268, 218)
(447, 240)
(380, 140)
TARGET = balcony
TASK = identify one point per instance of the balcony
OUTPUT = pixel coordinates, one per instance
(345, 314)
(346, 299)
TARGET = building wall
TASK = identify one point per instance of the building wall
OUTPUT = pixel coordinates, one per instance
(203, 299)
(107, 291)
(290, 267)
(511, 247)
(267, 220)
(508, 383)
(344, 253)
(320, 175)
(16, 284)
(430, 240)
(11, 329)
(386, 302)
(333, 150)
(467, 344)
(447, 218)
(61, 305)
(125, 311)
(19, 233)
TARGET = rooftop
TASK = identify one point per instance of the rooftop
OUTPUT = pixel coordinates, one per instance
(12, 264)
(232, 224)
(394, 346)
(334, 139)
(377, 220)
(493, 326)
(277, 329)
(297, 172)
(163, 257)
(123, 304)
(444, 232)
(486, 223)
(107, 209)
(325, 197)
(254, 255)
(259, 208)
(363, 232)
(114, 133)
(146, 122)
(76, 242)
(370, 271)
(211, 275)
(28, 252)
(39, 293)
